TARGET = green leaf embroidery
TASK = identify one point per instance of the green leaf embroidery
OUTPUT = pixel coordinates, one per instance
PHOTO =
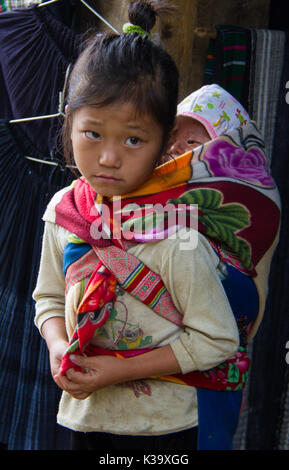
(205, 198)
(146, 223)
(233, 373)
(221, 221)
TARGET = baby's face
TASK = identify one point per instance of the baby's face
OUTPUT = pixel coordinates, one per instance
(186, 136)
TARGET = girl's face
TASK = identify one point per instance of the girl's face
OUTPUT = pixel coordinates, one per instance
(187, 135)
(115, 149)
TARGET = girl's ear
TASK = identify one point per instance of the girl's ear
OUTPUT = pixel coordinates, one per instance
(66, 110)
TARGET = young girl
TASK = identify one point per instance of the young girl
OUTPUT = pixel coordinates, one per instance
(130, 319)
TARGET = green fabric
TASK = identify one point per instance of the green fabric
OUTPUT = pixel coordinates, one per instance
(226, 61)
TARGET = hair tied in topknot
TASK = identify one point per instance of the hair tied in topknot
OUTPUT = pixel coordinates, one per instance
(130, 28)
(144, 13)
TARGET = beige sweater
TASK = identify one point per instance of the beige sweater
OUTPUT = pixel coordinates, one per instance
(145, 407)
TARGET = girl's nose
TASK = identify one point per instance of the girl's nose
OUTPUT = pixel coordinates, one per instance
(110, 156)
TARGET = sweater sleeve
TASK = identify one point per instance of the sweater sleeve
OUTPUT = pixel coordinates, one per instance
(210, 335)
(49, 292)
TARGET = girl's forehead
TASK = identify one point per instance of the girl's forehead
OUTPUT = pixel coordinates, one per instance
(123, 112)
(117, 107)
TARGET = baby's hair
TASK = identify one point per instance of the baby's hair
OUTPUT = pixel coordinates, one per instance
(125, 68)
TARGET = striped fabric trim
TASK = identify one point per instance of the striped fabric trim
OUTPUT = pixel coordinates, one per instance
(266, 59)
(157, 297)
(9, 5)
(140, 282)
(144, 285)
(131, 280)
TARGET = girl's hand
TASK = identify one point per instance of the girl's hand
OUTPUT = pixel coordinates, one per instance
(70, 387)
(98, 372)
(54, 332)
(56, 351)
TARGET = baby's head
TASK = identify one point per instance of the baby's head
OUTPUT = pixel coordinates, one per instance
(204, 115)
(130, 70)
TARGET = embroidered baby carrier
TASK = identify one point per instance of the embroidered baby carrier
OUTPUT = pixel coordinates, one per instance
(231, 209)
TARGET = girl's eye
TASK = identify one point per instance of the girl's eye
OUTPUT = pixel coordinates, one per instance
(92, 135)
(192, 142)
(133, 141)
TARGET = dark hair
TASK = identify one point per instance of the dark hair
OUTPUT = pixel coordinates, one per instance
(126, 67)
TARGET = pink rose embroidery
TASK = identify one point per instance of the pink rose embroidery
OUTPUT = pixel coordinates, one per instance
(216, 375)
(242, 362)
(224, 159)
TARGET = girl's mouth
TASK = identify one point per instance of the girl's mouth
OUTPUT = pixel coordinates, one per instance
(107, 179)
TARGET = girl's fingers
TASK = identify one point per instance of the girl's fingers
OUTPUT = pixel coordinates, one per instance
(71, 387)
(80, 396)
(78, 377)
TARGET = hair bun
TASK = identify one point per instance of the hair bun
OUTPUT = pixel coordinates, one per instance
(143, 13)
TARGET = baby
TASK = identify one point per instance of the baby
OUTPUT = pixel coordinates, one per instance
(204, 115)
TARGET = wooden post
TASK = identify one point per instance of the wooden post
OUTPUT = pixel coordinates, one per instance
(177, 35)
